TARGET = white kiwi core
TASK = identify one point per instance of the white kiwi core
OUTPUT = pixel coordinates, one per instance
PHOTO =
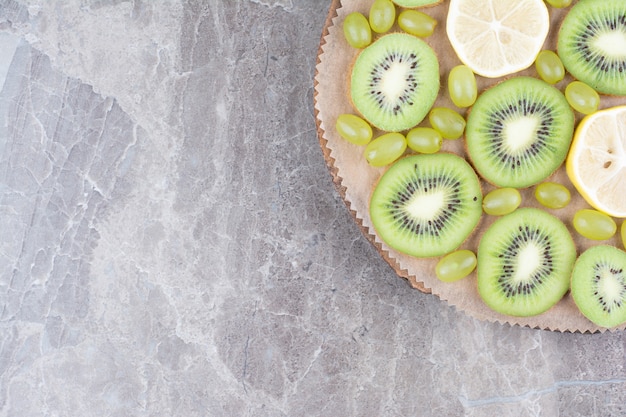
(519, 134)
(528, 261)
(611, 43)
(426, 206)
(393, 80)
(610, 287)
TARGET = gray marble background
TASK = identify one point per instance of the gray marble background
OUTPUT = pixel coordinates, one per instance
(172, 244)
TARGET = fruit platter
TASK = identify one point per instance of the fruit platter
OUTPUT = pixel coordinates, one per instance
(480, 145)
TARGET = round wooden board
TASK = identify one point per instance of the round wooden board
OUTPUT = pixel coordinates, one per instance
(354, 179)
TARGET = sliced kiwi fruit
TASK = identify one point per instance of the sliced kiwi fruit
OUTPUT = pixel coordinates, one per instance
(416, 3)
(426, 205)
(599, 285)
(519, 132)
(592, 44)
(524, 262)
(395, 82)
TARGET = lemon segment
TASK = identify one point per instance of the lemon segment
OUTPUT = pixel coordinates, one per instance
(497, 37)
(596, 163)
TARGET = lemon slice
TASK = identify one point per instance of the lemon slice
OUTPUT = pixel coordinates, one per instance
(497, 37)
(596, 163)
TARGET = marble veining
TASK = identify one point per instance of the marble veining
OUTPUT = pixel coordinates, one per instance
(172, 243)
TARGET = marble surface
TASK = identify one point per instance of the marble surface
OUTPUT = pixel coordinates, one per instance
(172, 243)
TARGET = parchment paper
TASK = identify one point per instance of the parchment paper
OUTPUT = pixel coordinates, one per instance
(355, 179)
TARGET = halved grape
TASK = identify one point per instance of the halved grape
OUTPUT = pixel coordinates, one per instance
(456, 265)
(549, 67)
(424, 140)
(594, 225)
(356, 29)
(582, 97)
(448, 122)
(623, 233)
(552, 195)
(462, 86)
(501, 201)
(385, 149)
(382, 15)
(354, 129)
(417, 23)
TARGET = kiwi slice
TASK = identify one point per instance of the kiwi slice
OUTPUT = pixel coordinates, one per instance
(599, 285)
(592, 44)
(426, 205)
(416, 3)
(395, 82)
(519, 132)
(524, 262)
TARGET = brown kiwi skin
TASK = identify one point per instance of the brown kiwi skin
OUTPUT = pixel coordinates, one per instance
(469, 236)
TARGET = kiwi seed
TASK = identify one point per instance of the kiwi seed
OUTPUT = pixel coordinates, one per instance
(395, 82)
(426, 205)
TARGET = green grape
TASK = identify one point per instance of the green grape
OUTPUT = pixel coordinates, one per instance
(622, 233)
(416, 23)
(448, 122)
(501, 201)
(552, 195)
(357, 30)
(456, 265)
(382, 15)
(424, 140)
(594, 225)
(581, 97)
(549, 67)
(385, 149)
(354, 129)
(462, 86)
(559, 3)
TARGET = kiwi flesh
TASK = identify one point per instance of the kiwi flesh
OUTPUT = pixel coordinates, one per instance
(519, 132)
(426, 205)
(524, 262)
(592, 44)
(395, 82)
(599, 285)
